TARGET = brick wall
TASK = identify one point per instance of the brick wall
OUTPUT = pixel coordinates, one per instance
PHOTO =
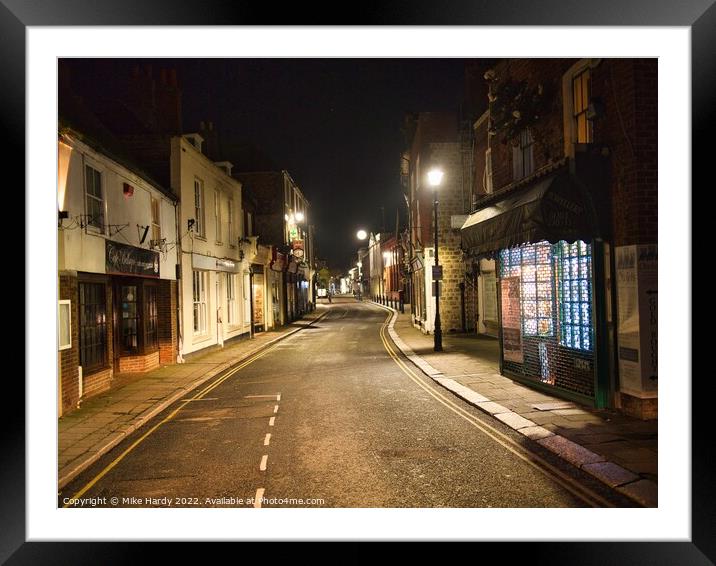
(69, 359)
(96, 382)
(167, 314)
(630, 131)
(548, 133)
(136, 364)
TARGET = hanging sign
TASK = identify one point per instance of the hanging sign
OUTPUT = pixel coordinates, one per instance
(297, 247)
(511, 321)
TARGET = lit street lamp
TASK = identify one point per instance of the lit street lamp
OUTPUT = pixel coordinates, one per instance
(361, 234)
(435, 176)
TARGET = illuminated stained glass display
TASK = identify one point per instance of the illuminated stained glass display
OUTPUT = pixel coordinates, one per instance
(574, 275)
(552, 298)
(532, 263)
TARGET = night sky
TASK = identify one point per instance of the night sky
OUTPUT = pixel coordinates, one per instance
(334, 124)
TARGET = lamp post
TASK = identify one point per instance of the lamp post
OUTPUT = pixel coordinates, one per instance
(435, 176)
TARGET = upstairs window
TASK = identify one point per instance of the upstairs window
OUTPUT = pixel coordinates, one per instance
(523, 155)
(230, 214)
(94, 198)
(156, 222)
(199, 207)
(217, 215)
(581, 94)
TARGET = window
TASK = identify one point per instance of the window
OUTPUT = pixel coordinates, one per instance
(523, 155)
(574, 270)
(200, 308)
(532, 263)
(231, 298)
(151, 342)
(581, 93)
(230, 213)
(93, 326)
(64, 324)
(199, 207)
(488, 170)
(217, 215)
(156, 223)
(94, 198)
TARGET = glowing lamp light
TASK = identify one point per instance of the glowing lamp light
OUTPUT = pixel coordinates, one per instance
(359, 264)
(362, 234)
(299, 217)
(435, 176)
(63, 167)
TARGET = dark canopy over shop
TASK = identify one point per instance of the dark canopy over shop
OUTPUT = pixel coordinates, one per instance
(554, 208)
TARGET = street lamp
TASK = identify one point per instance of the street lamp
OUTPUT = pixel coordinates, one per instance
(361, 234)
(435, 176)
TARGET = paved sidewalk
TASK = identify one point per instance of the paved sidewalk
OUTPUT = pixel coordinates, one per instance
(85, 434)
(616, 449)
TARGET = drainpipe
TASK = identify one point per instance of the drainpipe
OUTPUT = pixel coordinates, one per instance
(251, 301)
(180, 294)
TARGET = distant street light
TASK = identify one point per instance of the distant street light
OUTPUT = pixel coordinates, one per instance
(435, 176)
(362, 234)
(299, 217)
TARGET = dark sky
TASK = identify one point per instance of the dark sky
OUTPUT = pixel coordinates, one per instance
(334, 124)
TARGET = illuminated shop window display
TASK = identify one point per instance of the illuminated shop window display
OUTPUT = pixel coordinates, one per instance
(547, 319)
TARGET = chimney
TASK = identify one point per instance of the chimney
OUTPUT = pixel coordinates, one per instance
(211, 137)
(168, 103)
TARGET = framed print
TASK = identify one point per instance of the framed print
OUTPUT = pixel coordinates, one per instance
(146, 299)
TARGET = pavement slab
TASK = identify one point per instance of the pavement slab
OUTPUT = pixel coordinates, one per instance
(570, 451)
(610, 473)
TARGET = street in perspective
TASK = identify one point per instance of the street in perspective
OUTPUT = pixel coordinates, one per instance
(325, 283)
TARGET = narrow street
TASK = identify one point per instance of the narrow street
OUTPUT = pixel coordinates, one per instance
(332, 416)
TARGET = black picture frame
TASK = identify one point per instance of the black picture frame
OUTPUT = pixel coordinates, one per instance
(699, 15)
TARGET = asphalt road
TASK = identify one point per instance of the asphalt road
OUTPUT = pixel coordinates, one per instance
(327, 418)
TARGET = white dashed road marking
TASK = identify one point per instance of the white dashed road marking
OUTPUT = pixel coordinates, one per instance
(267, 440)
(272, 420)
(259, 497)
(275, 409)
(264, 460)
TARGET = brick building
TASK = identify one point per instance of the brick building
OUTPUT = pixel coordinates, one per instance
(565, 222)
(282, 219)
(434, 141)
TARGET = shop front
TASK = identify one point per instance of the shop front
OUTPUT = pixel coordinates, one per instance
(136, 292)
(550, 286)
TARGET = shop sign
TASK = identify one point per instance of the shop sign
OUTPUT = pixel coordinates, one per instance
(128, 260)
(437, 272)
(511, 320)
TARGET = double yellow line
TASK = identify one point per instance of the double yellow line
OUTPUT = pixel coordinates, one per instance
(585, 494)
(169, 417)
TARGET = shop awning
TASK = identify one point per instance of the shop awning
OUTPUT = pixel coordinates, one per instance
(554, 208)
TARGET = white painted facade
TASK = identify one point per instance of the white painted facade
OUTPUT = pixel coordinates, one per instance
(81, 245)
(215, 289)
